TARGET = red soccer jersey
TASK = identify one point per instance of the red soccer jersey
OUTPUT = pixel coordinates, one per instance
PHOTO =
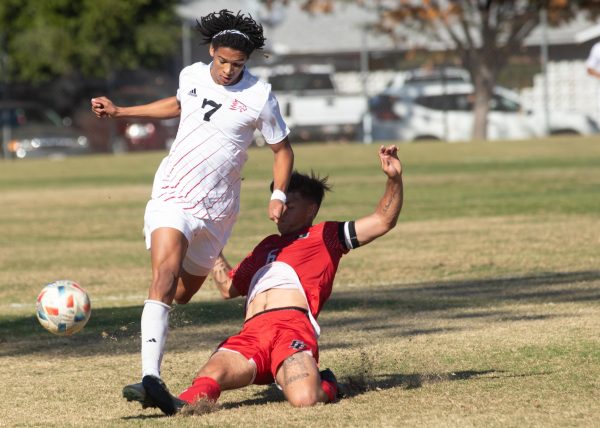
(314, 253)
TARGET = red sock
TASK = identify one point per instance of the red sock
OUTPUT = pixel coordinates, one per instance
(330, 389)
(202, 387)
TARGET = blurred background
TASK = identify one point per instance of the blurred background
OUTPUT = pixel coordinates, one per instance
(343, 70)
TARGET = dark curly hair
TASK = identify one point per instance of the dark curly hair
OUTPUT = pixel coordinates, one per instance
(310, 187)
(213, 28)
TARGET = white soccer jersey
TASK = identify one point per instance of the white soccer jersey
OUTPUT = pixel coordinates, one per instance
(202, 173)
(593, 60)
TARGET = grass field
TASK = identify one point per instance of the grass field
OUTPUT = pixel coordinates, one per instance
(481, 308)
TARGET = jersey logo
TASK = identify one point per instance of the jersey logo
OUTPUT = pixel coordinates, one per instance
(304, 235)
(192, 92)
(272, 255)
(238, 105)
(298, 345)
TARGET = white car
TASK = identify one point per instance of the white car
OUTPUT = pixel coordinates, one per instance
(311, 105)
(425, 76)
(436, 111)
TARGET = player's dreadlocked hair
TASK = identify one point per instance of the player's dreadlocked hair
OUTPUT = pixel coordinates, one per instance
(227, 29)
(310, 187)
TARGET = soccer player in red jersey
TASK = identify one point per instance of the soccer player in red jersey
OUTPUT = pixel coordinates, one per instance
(196, 192)
(287, 279)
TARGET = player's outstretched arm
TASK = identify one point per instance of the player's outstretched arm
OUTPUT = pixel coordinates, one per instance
(162, 109)
(283, 164)
(593, 73)
(388, 209)
(220, 276)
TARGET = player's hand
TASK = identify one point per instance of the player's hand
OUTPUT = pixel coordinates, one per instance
(103, 107)
(390, 164)
(276, 210)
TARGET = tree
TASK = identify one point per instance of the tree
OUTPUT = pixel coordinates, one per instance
(484, 33)
(44, 39)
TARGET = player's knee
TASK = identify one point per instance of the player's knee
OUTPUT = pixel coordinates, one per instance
(305, 398)
(163, 288)
(164, 279)
(183, 295)
(182, 300)
(186, 289)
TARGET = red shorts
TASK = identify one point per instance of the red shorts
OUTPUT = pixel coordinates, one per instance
(270, 337)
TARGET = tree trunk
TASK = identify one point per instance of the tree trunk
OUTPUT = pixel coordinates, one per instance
(481, 106)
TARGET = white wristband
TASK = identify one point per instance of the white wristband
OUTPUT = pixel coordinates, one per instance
(278, 194)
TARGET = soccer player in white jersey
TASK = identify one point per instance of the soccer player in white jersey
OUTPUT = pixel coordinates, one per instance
(196, 191)
(592, 65)
(287, 278)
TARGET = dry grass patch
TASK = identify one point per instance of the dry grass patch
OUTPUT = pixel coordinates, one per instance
(480, 309)
(470, 248)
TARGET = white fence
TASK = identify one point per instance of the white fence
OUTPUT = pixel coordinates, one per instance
(351, 82)
(570, 88)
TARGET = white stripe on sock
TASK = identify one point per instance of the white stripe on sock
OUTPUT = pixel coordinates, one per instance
(155, 327)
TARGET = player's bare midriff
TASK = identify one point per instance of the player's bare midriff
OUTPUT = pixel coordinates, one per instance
(276, 298)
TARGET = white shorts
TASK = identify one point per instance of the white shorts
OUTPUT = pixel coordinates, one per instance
(206, 238)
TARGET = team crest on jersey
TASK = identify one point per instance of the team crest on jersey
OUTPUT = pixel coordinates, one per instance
(298, 345)
(272, 255)
(238, 105)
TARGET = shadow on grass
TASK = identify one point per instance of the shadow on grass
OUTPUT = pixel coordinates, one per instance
(553, 287)
(355, 385)
(359, 384)
(112, 330)
(362, 383)
(141, 418)
(116, 330)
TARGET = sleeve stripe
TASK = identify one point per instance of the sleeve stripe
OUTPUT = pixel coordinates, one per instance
(349, 235)
(341, 234)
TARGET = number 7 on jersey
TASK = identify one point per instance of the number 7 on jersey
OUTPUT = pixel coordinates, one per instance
(210, 112)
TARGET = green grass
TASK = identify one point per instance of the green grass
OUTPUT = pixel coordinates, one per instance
(479, 309)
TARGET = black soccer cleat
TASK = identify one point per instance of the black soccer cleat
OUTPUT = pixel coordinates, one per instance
(157, 391)
(136, 392)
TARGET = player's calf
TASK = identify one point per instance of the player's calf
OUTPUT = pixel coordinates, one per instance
(203, 388)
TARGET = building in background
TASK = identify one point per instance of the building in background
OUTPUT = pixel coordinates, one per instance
(338, 38)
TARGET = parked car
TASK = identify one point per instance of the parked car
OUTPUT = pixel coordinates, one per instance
(128, 135)
(436, 111)
(311, 105)
(426, 76)
(37, 131)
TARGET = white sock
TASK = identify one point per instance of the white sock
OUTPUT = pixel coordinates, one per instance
(155, 326)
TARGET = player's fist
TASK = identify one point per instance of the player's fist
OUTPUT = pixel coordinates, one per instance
(103, 107)
(390, 164)
(276, 210)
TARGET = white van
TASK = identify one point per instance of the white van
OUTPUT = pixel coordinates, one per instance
(444, 111)
(311, 104)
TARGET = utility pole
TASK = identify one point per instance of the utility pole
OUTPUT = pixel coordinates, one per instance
(4, 112)
(367, 123)
(186, 43)
(544, 61)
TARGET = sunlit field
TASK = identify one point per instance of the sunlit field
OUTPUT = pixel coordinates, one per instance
(481, 308)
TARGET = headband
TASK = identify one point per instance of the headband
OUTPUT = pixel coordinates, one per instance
(220, 33)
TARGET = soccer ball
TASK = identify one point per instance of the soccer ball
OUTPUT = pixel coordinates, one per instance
(63, 307)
